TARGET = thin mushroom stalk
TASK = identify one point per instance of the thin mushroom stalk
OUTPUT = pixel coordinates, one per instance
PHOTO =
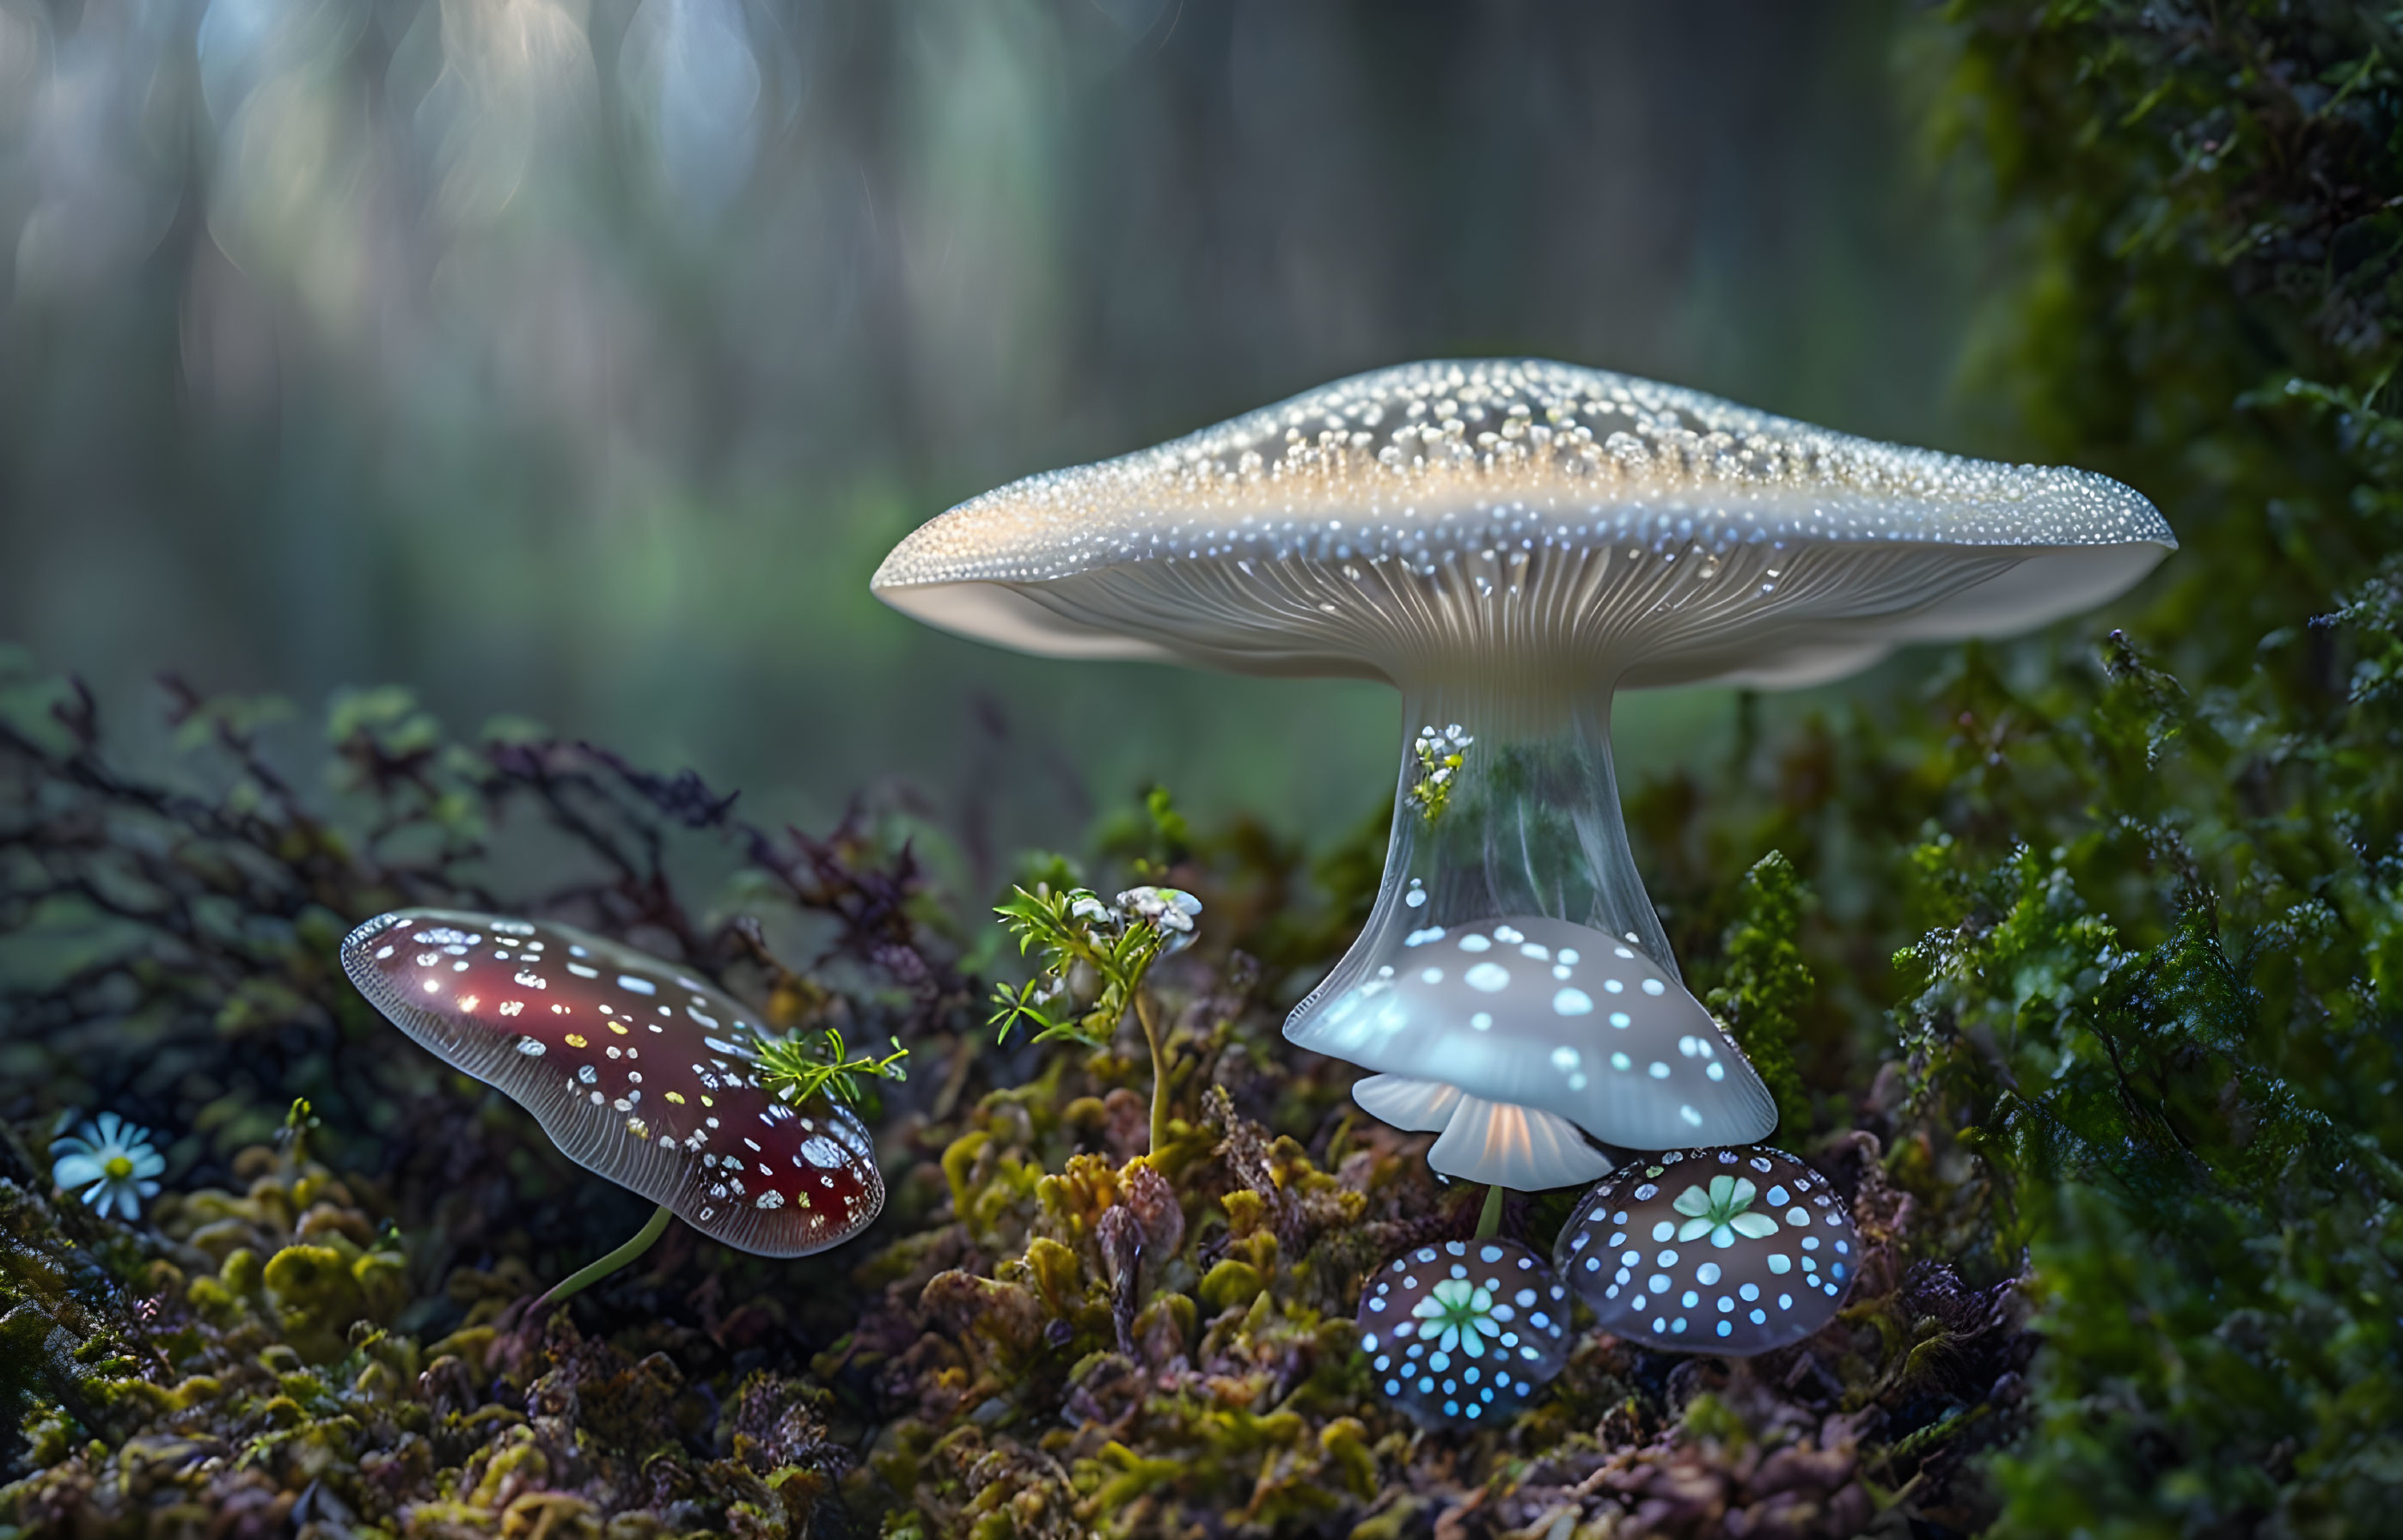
(601, 1267)
(1488, 1218)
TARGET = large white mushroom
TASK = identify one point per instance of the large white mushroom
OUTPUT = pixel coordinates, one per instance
(1510, 542)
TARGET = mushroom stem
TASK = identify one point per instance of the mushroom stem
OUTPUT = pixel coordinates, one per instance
(1529, 821)
(1144, 1013)
(1488, 1218)
(1527, 824)
(584, 1278)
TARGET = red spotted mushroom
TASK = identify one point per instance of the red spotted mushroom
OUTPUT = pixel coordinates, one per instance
(636, 1069)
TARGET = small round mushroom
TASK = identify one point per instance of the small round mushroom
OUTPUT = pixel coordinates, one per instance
(1510, 542)
(1464, 1333)
(636, 1071)
(1728, 1250)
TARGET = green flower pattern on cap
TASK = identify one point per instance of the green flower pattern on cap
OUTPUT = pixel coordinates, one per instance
(1464, 1315)
(1721, 1213)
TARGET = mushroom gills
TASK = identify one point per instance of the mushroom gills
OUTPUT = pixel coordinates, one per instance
(1498, 1143)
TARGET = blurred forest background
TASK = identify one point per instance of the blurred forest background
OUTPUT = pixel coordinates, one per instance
(578, 359)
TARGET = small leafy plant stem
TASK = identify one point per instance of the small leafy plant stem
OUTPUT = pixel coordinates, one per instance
(797, 1071)
(1148, 1015)
(1096, 959)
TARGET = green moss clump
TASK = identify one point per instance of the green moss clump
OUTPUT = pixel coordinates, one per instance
(316, 1297)
(1765, 985)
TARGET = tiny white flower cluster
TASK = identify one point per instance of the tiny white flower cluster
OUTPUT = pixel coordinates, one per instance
(1440, 753)
(1434, 742)
(1168, 910)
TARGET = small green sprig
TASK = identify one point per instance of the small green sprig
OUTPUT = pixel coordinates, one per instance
(1095, 957)
(1440, 753)
(797, 1071)
(1080, 937)
(299, 1121)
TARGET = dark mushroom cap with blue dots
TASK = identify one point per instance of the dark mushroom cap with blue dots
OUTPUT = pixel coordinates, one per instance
(1521, 509)
(635, 1070)
(1725, 1251)
(1464, 1333)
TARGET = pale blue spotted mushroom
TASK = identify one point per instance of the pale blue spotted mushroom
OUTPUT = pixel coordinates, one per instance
(1511, 542)
(1463, 1333)
(1509, 1037)
(1725, 1251)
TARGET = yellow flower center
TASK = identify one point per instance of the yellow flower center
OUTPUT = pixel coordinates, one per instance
(118, 1168)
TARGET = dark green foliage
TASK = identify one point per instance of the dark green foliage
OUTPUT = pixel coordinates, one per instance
(2157, 1004)
(1764, 984)
(2141, 914)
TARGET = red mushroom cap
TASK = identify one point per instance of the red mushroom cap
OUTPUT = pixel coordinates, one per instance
(636, 1069)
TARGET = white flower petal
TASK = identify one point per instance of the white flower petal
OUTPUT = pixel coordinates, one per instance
(73, 1171)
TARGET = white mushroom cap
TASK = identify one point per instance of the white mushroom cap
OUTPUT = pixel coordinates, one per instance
(1496, 1143)
(1545, 1016)
(1380, 524)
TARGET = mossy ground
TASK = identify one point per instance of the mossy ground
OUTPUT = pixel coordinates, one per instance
(1050, 1332)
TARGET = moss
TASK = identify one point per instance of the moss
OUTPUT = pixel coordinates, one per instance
(1765, 986)
(1232, 1282)
(316, 1297)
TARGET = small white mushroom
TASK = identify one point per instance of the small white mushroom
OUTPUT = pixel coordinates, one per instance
(1511, 1035)
(1491, 1142)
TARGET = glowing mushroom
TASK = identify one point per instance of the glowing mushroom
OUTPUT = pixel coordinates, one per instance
(636, 1071)
(1464, 1332)
(1557, 1029)
(1510, 542)
(1728, 1250)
